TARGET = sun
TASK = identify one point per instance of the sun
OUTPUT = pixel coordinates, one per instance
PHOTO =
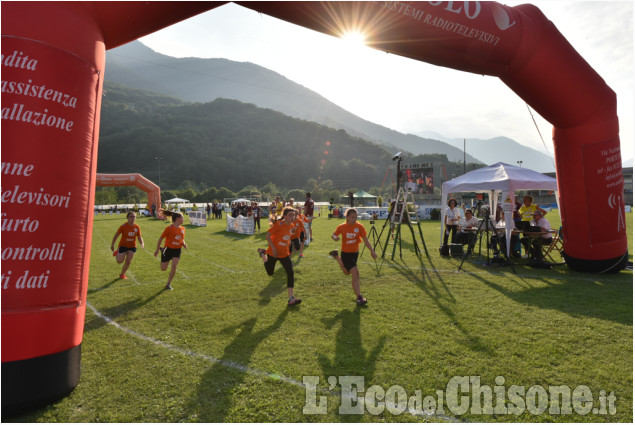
(354, 39)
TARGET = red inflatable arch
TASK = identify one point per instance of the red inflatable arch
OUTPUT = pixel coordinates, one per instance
(137, 180)
(53, 57)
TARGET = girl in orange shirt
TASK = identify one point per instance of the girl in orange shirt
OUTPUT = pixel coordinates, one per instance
(129, 232)
(174, 236)
(352, 234)
(279, 239)
(297, 240)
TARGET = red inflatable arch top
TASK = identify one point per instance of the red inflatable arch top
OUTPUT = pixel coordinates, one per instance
(137, 180)
(53, 56)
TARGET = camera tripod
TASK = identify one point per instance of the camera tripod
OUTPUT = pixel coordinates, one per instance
(485, 227)
(373, 237)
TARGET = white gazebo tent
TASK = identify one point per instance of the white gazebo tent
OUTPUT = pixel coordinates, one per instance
(497, 179)
(177, 201)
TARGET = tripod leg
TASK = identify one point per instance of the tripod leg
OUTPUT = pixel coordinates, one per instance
(397, 238)
(383, 253)
(423, 241)
(414, 239)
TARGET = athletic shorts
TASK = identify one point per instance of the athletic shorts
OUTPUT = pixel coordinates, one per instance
(302, 237)
(169, 253)
(123, 249)
(295, 243)
(349, 259)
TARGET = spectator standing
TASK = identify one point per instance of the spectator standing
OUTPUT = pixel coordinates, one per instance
(308, 213)
(257, 212)
(452, 218)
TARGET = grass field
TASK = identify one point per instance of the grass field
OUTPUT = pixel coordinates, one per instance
(224, 347)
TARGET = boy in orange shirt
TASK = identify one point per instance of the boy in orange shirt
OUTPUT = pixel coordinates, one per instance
(352, 234)
(129, 232)
(279, 239)
(174, 236)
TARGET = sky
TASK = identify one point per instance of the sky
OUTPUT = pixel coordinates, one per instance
(378, 87)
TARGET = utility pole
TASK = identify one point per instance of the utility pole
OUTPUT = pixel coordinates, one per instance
(463, 156)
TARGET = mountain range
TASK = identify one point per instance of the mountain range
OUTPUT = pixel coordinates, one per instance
(203, 80)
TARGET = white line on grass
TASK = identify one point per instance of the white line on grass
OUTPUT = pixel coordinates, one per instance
(215, 264)
(231, 365)
(191, 353)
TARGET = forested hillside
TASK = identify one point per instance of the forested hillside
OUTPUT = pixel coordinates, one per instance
(231, 144)
(204, 80)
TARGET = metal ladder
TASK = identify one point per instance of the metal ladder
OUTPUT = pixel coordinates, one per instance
(397, 219)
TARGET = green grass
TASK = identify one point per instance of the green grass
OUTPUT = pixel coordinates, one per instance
(224, 347)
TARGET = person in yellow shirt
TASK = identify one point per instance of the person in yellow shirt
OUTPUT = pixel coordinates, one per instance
(528, 208)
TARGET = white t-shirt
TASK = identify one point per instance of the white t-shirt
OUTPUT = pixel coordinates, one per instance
(452, 216)
(546, 226)
(464, 222)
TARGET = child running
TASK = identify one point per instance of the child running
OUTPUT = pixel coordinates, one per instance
(297, 240)
(279, 239)
(174, 236)
(129, 232)
(352, 234)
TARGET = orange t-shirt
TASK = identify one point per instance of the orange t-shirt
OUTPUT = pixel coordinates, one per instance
(281, 233)
(298, 224)
(352, 235)
(129, 235)
(174, 236)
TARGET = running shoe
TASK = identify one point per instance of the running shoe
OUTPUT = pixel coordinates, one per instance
(169, 287)
(333, 253)
(361, 300)
(123, 276)
(294, 301)
(301, 255)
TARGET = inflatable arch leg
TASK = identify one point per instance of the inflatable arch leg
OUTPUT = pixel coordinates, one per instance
(53, 57)
(48, 159)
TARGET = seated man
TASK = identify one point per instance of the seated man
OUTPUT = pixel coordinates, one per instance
(537, 241)
(467, 227)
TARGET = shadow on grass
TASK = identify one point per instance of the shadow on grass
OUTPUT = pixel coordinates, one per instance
(276, 286)
(213, 402)
(106, 286)
(351, 358)
(433, 285)
(608, 300)
(232, 236)
(118, 311)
